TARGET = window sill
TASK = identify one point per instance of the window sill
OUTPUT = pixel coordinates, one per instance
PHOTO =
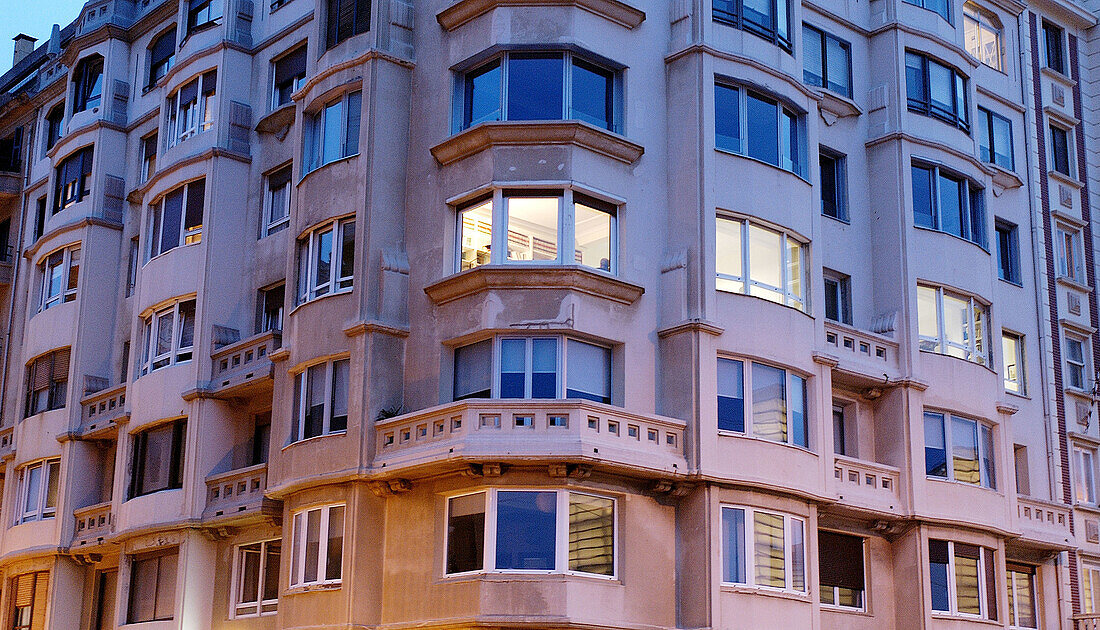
(844, 220)
(1078, 393)
(1068, 180)
(277, 120)
(1004, 178)
(463, 11)
(759, 161)
(955, 236)
(1057, 77)
(939, 614)
(509, 575)
(508, 277)
(834, 106)
(314, 588)
(317, 299)
(320, 168)
(486, 135)
(314, 438)
(757, 297)
(746, 436)
(1021, 395)
(747, 589)
(1070, 283)
(964, 484)
(1015, 283)
(968, 361)
(847, 610)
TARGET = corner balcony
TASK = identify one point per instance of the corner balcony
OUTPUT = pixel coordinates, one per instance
(102, 412)
(484, 431)
(861, 353)
(867, 486)
(237, 496)
(94, 524)
(1044, 523)
(242, 369)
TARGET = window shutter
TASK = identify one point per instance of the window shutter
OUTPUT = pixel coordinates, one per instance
(967, 551)
(362, 15)
(86, 162)
(278, 178)
(24, 590)
(60, 372)
(41, 597)
(354, 113)
(164, 47)
(937, 552)
(290, 66)
(196, 193)
(189, 92)
(209, 80)
(40, 373)
(841, 558)
(346, 20)
(333, 16)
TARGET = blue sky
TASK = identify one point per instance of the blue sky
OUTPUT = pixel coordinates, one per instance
(33, 17)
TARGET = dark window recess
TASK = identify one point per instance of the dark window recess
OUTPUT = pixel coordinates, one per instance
(290, 72)
(162, 54)
(40, 218)
(89, 84)
(838, 298)
(47, 382)
(1059, 150)
(769, 19)
(995, 139)
(74, 179)
(202, 13)
(833, 182)
(346, 18)
(936, 90)
(938, 560)
(270, 312)
(841, 562)
(1008, 252)
(261, 439)
(11, 152)
(1052, 42)
(54, 120)
(158, 459)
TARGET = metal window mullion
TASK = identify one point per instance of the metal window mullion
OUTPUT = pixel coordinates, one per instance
(567, 85)
(302, 402)
(567, 228)
(952, 596)
(560, 368)
(489, 560)
(788, 555)
(561, 534)
(330, 375)
(528, 367)
(745, 269)
(503, 86)
(322, 544)
(750, 536)
(498, 236)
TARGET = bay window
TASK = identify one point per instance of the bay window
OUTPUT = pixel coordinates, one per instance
(959, 449)
(760, 127)
(840, 562)
(202, 14)
(939, 7)
(321, 400)
(47, 382)
(1021, 596)
(317, 546)
(763, 549)
(551, 85)
(964, 579)
(949, 203)
(545, 531)
(777, 400)
(176, 219)
(158, 458)
(332, 133)
(168, 336)
(551, 367)
(542, 226)
(936, 90)
(74, 179)
(190, 110)
(759, 261)
(256, 588)
(769, 19)
(326, 260)
(982, 33)
(38, 483)
(59, 272)
(826, 61)
(953, 324)
(345, 18)
(288, 76)
(153, 586)
(88, 83)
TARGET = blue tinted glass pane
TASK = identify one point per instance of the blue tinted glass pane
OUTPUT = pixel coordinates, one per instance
(525, 530)
(839, 67)
(731, 395)
(544, 355)
(984, 146)
(935, 450)
(733, 545)
(797, 389)
(482, 95)
(731, 414)
(725, 10)
(914, 78)
(938, 573)
(592, 95)
(511, 385)
(939, 6)
(922, 197)
(727, 121)
(333, 130)
(576, 393)
(1002, 142)
(512, 355)
(763, 126)
(951, 207)
(813, 61)
(759, 13)
(535, 87)
(544, 385)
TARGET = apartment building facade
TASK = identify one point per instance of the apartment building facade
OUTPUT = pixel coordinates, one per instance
(570, 314)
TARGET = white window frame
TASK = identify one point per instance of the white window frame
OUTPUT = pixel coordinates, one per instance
(1072, 364)
(271, 224)
(949, 446)
(749, 557)
(1089, 574)
(177, 353)
(566, 231)
(1014, 611)
(1084, 470)
(1020, 381)
(238, 582)
(1071, 148)
(952, 586)
(1070, 260)
(795, 164)
(982, 19)
(939, 343)
(301, 384)
(843, 284)
(188, 120)
(48, 467)
(298, 545)
(747, 400)
(308, 243)
(836, 589)
(561, 534)
(313, 133)
(561, 369)
(187, 237)
(149, 161)
(789, 298)
(67, 293)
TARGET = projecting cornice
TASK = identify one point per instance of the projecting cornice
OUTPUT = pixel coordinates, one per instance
(465, 10)
(508, 277)
(539, 133)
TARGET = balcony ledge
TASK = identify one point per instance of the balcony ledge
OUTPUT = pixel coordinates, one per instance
(465, 10)
(536, 133)
(523, 276)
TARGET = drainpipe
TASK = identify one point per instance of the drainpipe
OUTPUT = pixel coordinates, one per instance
(1037, 269)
